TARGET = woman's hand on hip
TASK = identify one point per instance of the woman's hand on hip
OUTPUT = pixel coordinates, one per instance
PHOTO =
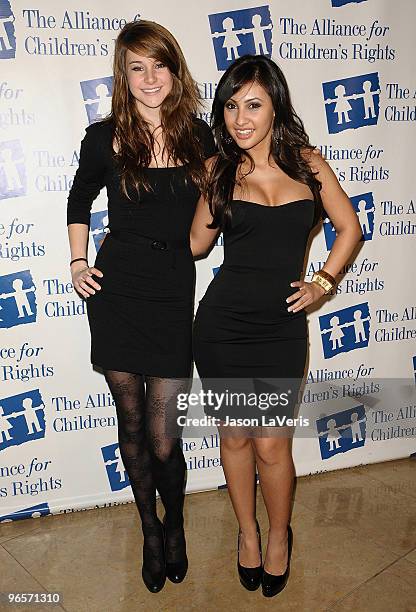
(307, 294)
(82, 279)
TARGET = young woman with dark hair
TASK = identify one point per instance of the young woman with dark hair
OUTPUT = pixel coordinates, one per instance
(149, 153)
(267, 189)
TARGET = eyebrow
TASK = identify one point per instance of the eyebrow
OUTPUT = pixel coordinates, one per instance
(140, 61)
(249, 100)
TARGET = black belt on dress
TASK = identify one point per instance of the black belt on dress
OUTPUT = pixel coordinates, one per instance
(158, 245)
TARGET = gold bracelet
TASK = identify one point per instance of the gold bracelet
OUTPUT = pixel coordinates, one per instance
(328, 276)
(324, 280)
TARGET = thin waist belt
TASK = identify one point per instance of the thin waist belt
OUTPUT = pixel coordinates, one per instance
(158, 245)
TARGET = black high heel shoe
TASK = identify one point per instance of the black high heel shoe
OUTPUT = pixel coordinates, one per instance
(271, 584)
(177, 570)
(250, 577)
(154, 579)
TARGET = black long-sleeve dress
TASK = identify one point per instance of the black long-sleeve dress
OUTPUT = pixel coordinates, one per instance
(141, 319)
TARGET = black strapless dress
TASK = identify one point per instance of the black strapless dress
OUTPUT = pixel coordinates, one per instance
(242, 329)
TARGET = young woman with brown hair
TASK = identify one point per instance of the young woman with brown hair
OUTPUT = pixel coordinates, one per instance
(149, 154)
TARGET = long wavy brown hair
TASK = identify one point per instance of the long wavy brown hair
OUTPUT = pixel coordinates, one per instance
(289, 141)
(133, 136)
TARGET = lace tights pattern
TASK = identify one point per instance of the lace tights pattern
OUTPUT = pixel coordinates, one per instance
(146, 408)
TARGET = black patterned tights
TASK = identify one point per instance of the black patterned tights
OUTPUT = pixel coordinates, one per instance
(146, 406)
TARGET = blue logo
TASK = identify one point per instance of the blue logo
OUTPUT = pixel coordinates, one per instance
(17, 299)
(352, 103)
(7, 35)
(114, 466)
(342, 431)
(22, 418)
(364, 207)
(31, 512)
(342, 2)
(345, 330)
(97, 97)
(99, 227)
(215, 270)
(12, 170)
(237, 33)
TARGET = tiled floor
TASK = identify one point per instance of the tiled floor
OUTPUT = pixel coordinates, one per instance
(354, 550)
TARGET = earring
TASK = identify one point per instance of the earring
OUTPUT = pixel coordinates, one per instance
(276, 139)
(226, 138)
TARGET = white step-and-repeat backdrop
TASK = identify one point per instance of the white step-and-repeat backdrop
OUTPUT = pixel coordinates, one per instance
(349, 67)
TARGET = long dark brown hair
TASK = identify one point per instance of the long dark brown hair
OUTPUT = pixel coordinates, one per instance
(288, 143)
(133, 137)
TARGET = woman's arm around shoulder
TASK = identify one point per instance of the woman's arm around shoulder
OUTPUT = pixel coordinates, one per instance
(202, 237)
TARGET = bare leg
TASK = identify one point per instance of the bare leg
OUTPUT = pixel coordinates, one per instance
(238, 461)
(276, 475)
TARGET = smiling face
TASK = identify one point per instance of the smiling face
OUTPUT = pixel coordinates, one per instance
(249, 116)
(149, 80)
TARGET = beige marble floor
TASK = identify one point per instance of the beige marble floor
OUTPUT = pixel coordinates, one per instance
(354, 550)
